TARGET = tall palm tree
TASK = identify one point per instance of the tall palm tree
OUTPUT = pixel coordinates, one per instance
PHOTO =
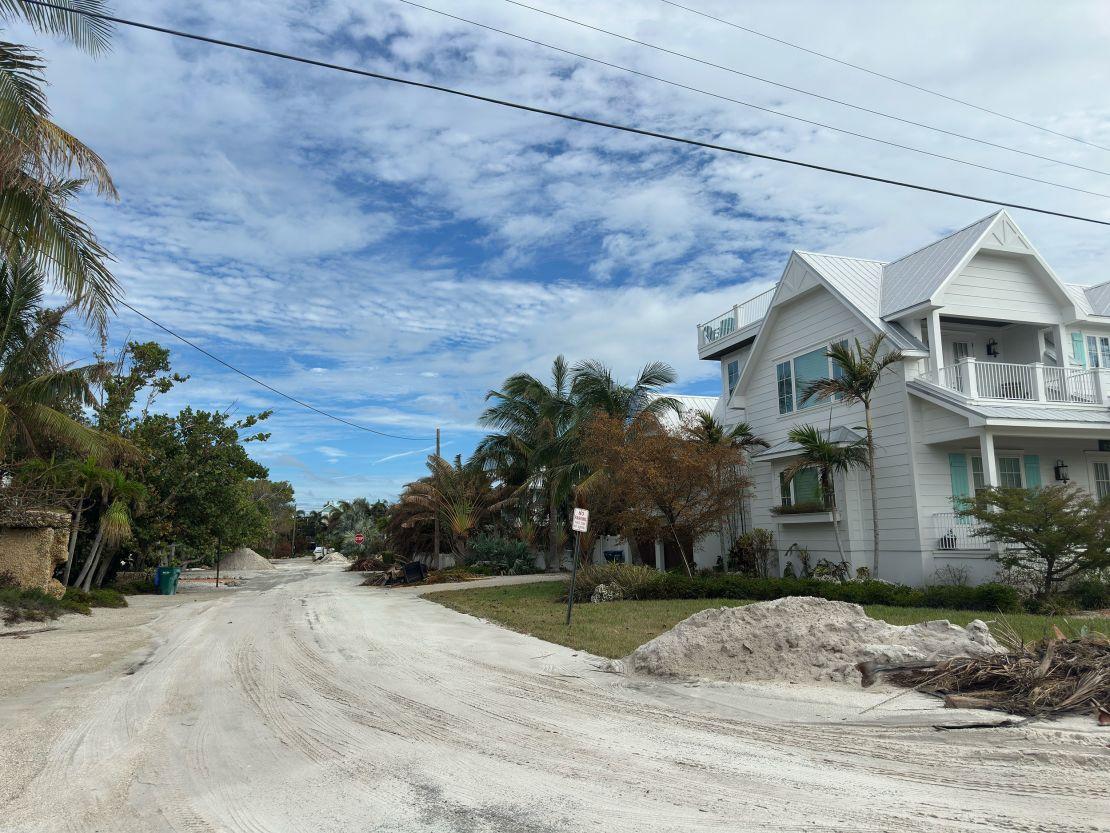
(858, 370)
(119, 497)
(534, 446)
(596, 390)
(43, 167)
(36, 388)
(829, 459)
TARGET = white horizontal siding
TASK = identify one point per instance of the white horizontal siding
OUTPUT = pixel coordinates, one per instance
(1000, 287)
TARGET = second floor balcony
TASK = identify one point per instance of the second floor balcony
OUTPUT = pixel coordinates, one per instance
(1030, 383)
(733, 325)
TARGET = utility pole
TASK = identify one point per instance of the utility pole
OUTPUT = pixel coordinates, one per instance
(293, 537)
(438, 562)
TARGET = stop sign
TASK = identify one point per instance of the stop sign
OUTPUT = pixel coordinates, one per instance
(359, 538)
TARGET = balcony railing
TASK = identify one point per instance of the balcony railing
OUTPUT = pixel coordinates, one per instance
(956, 533)
(1022, 382)
(737, 318)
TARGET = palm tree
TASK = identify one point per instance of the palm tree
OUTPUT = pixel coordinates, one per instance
(36, 389)
(42, 167)
(596, 391)
(119, 496)
(462, 497)
(829, 458)
(858, 371)
(534, 447)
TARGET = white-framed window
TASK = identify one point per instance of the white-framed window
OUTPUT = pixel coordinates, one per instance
(804, 487)
(1098, 351)
(733, 374)
(793, 376)
(1011, 472)
(960, 351)
(1100, 471)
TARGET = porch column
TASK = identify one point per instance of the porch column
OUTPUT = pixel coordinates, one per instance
(1063, 344)
(936, 344)
(660, 561)
(990, 463)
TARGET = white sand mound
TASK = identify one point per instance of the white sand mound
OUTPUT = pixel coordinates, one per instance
(335, 558)
(245, 558)
(798, 639)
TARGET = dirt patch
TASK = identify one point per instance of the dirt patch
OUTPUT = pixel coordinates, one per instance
(798, 639)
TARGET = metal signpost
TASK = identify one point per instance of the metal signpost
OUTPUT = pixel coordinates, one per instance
(579, 523)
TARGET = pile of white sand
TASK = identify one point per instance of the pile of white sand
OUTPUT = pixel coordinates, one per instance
(798, 639)
(245, 558)
(335, 558)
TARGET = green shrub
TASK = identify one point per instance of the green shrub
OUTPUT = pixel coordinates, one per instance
(1090, 594)
(501, 556)
(638, 582)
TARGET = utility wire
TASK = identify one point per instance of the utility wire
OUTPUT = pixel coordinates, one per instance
(528, 108)
(266, 385)
(770, 110)
(799, 90)
(884, 76)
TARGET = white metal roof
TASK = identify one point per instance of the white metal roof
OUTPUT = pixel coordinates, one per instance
(913, 279)
(1010, 410)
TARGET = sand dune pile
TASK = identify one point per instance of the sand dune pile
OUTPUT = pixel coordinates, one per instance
(245, 558)
(335, 558)
(798, 639)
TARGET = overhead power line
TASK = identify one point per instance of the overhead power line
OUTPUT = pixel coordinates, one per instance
(759, 107)
(883, 75)
(810, 93)
(267, 385)
(684, 140)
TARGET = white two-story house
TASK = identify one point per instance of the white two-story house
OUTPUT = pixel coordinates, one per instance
(1005, 382)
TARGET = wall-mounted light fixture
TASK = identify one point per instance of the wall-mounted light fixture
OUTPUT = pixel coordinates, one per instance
(1061, 471)
(992, 347)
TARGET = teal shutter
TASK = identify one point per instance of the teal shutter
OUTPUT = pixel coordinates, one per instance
(1032, 471)
(1078, 351)
(957, 468)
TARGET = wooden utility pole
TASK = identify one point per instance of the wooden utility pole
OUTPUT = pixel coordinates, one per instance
(438, 561)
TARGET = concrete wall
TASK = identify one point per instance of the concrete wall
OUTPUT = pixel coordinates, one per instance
(33, 543)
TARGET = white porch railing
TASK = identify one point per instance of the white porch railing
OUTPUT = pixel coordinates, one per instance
(956, 533)
(1022, 382)
(737, 318)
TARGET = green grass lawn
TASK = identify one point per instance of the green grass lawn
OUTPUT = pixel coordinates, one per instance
(614, 629)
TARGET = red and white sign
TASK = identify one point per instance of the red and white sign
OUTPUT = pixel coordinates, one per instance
(359, 538)
(581, 520)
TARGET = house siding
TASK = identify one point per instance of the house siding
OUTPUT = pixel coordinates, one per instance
(999, 287)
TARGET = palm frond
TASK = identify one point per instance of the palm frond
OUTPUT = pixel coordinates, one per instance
(88, 33)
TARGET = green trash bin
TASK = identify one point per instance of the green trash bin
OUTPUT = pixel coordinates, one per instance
(167, 581)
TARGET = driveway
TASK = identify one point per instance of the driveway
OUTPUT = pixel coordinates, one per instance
(303, 702)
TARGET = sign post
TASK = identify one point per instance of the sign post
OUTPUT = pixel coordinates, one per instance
(579, 523)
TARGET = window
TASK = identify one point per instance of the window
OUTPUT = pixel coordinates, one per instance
(977, 479)
(786, 388)
(1098, 351)
(803, 488)
(960, 351)
(733, 374)
(1102, 480)
(1009, 472)
(796, 375)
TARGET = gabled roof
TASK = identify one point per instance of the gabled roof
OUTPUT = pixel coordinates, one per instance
(859, 282)
(913, 279)
(1097, 298)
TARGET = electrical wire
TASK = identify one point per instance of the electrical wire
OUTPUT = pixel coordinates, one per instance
(799, 90)
(770, 110)
(884, 76)
(266, 385)
(684, 140)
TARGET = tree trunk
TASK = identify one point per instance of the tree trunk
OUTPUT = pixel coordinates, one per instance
(75, 526)
(94, 554)
(105, 563)
(874, 489)
(682, 553)
(553, 559)
(836, 524)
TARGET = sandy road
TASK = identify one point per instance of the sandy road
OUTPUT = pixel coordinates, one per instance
(302, 702)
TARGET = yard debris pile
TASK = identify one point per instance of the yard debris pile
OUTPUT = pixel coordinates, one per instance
(1052, 676)
(799, 639)
(245, 558)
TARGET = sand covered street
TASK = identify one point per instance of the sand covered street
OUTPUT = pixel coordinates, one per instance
(300, 701)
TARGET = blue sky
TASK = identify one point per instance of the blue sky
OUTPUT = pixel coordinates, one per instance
(389, 254)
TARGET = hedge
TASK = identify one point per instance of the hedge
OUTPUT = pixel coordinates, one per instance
(992, 597)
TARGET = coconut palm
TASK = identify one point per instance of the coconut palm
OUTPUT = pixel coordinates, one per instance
(706, 428)
(858, 370)
(534, 447)
(829, 459)
(595, 390)
(119, 498)
(43, 167)
(36, 388)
